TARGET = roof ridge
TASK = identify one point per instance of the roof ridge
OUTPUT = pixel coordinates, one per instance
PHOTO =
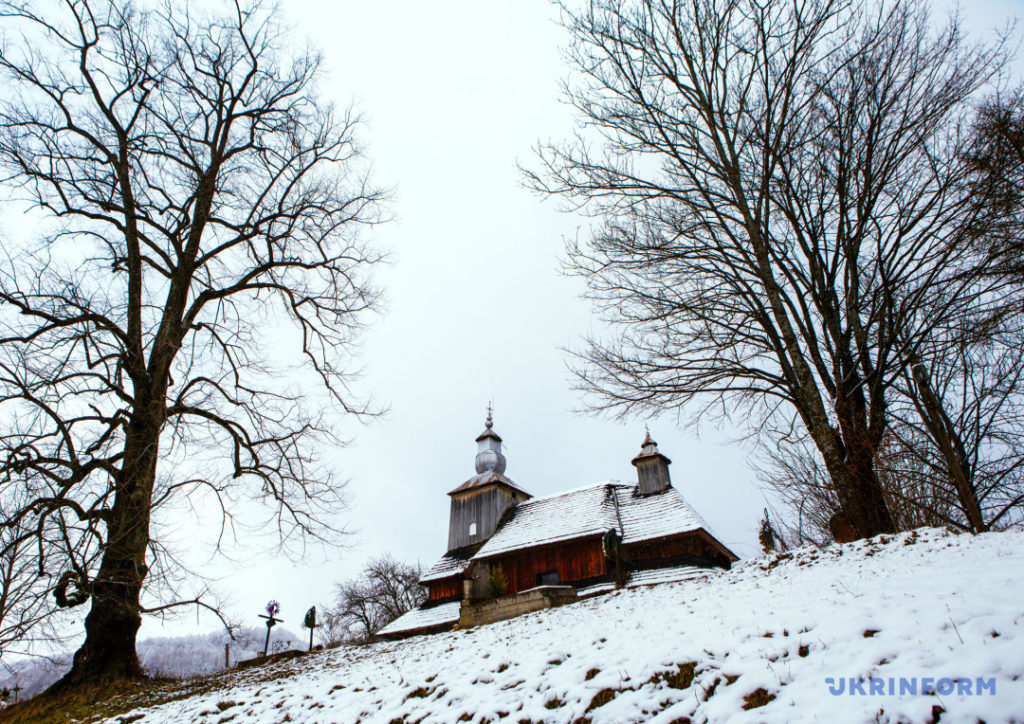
(580, 489)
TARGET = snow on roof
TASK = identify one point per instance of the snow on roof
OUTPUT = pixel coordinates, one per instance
(648, 577)
(574, 514)
(591, 511)
(652, 576)
(422, 617)
(449, 565)
(653, 516)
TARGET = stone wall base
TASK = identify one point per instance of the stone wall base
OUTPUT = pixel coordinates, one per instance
(475, 613)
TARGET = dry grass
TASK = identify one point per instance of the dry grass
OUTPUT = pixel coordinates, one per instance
(757, 698)
(681, 678)
(92, 702)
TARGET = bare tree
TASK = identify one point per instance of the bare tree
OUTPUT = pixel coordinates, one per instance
(965, 416)
(996, 157)
(195, 211)
(332, 630)
(383, 591)
(793, 472)
(914, 486)
(28, 608)
(780, 188)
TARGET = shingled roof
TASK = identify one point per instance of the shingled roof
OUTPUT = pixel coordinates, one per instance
(572, 514)
(592, 511)
(424, 618)
(488, 477)
(452, 563)
(645, 517)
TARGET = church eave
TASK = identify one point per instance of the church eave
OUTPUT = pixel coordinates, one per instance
(485, 480)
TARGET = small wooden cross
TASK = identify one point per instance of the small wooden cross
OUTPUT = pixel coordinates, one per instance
(272, 609)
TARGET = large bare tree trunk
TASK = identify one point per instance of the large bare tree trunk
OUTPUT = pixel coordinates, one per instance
(114, 619)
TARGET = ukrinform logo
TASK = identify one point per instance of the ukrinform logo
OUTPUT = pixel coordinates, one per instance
(911, 686)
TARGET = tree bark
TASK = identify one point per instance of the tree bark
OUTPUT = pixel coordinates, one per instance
(108, 652)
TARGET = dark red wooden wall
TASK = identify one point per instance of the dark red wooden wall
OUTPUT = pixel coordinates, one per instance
(574, 560)
(445, 588)
(683, 544)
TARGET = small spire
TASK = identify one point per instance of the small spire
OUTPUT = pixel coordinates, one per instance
(648, 446)
(489, 457)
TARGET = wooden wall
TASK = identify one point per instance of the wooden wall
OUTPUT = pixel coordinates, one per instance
(677, 546)
(444, 588)
(483, 506)
(580, 560)
(574, 560)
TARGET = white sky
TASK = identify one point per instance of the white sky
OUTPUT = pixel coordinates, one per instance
(454, 93)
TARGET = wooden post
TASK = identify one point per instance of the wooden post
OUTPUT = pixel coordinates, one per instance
(266, 642)
(227, 655)
(309, 621)
(271, 620)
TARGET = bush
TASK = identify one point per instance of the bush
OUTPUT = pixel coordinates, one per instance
(497, 584)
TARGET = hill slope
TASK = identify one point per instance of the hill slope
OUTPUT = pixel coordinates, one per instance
(176, 657)
(755, 644)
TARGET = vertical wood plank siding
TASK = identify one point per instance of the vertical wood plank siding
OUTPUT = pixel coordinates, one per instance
(686, 544)
(482, 506)
(574, 560)
(444, 588)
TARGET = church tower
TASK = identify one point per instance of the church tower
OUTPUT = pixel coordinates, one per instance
(651, 468)
(479, 503)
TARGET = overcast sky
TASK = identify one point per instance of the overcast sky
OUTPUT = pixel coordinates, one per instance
(454, 93)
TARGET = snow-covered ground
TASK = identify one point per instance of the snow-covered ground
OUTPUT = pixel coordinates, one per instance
(175, 657)
(776, 635)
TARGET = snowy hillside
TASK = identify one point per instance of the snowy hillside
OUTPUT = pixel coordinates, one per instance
(768, 641)
(174, 657)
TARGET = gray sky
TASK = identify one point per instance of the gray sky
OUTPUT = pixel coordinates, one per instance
(454, 92)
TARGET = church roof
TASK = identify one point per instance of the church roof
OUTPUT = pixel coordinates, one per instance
(424, 617)
(452, 563)
(648, 577)
(591, 511)
(487, 478)
(573, 514)
(645, 517)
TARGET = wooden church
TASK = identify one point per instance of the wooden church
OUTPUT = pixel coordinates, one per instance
(576, 543)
